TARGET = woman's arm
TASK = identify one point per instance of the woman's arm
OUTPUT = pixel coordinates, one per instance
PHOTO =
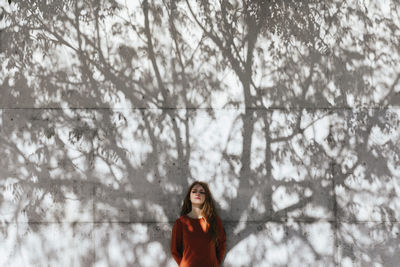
(221, 248)
(176, 242)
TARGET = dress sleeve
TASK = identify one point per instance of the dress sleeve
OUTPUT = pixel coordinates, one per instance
(221, 248)
(176, 242)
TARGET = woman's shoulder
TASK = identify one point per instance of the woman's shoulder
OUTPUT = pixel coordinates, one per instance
(218, 220)
(181, 218)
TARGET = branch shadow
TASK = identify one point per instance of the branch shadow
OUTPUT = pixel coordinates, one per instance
(289, 109)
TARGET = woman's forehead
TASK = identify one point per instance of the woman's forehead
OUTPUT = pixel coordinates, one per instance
(197, 186)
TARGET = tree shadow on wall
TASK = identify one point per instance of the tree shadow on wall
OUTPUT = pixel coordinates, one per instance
(288, 109)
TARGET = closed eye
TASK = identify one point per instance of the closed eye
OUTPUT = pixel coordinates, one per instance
(201, 192)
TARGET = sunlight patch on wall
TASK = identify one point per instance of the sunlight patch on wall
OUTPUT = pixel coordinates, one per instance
(264, 248)
(283, 198)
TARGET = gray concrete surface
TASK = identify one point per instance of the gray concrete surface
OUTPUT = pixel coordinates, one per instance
(290, 110)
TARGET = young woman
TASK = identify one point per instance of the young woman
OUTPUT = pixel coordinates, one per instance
(198, 237)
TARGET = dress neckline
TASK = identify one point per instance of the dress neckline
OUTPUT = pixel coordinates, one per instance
(194, 218)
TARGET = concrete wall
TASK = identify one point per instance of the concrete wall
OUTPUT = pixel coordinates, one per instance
(289, 110)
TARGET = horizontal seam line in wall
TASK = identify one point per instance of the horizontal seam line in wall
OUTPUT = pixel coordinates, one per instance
(225, 221)
(210, 108)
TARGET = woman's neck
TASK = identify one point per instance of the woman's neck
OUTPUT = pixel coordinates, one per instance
(195, 213)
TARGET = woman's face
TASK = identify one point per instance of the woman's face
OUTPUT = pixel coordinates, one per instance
(197, 195)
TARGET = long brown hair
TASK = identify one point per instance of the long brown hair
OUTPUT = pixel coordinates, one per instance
(208, 209)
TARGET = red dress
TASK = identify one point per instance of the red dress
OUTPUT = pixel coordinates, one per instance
(192, 246)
